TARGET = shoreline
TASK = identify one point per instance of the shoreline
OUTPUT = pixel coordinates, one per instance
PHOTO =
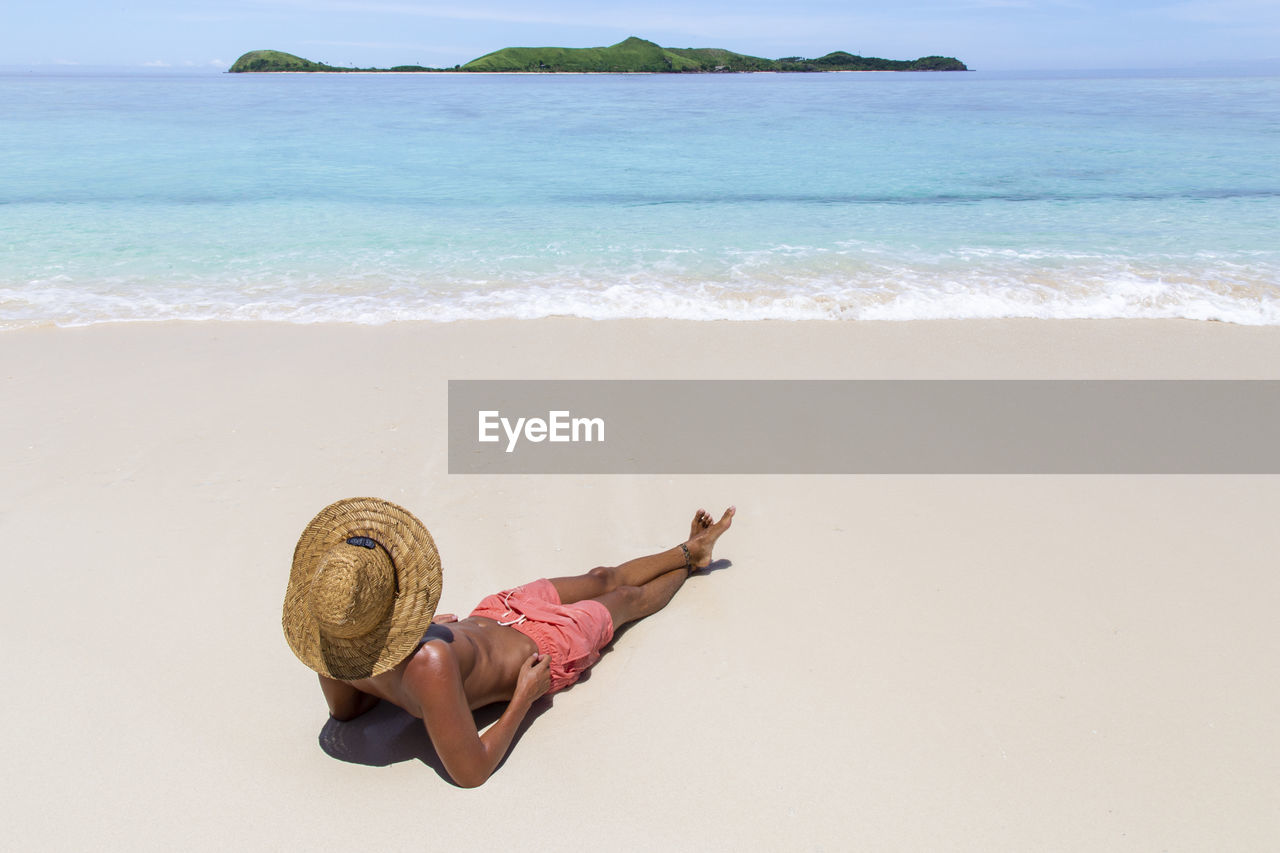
(972, 348)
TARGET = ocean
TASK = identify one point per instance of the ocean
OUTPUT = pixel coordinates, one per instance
(876, 196)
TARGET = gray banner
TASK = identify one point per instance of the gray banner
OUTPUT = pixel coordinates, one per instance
(864, 427)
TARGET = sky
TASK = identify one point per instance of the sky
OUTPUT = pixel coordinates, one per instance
(986, 34)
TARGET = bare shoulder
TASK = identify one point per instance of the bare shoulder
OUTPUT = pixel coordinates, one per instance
(430, 660)
(433, 668)
(433, 682)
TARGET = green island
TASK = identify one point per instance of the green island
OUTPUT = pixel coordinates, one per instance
(634, 55)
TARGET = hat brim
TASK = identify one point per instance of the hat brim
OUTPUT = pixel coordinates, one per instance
(418, 576)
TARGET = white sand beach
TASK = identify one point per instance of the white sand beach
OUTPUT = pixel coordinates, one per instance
(884, 663)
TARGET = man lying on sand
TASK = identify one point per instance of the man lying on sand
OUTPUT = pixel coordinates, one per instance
(359, 611)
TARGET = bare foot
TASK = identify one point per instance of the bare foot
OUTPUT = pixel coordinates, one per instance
(703, 535)
(701, 521)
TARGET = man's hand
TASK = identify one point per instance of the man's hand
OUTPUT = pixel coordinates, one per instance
(442, 618)
(534, 679)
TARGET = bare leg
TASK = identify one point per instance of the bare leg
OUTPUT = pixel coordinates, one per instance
(629, 603)
(646, 584)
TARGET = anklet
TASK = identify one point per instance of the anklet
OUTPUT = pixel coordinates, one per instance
(688, 561)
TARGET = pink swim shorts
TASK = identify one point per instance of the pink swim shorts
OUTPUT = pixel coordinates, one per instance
(570, 634)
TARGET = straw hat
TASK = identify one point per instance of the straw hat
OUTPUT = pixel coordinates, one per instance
(364, 585)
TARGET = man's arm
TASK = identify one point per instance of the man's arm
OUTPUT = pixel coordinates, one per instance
(345, 702)
(470, 757)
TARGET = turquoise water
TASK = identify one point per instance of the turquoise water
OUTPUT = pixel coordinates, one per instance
(372, 198)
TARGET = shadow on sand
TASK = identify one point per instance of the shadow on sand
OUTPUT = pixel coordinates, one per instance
(388, 735)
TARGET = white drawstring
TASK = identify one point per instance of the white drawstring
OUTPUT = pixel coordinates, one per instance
(507, 601)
